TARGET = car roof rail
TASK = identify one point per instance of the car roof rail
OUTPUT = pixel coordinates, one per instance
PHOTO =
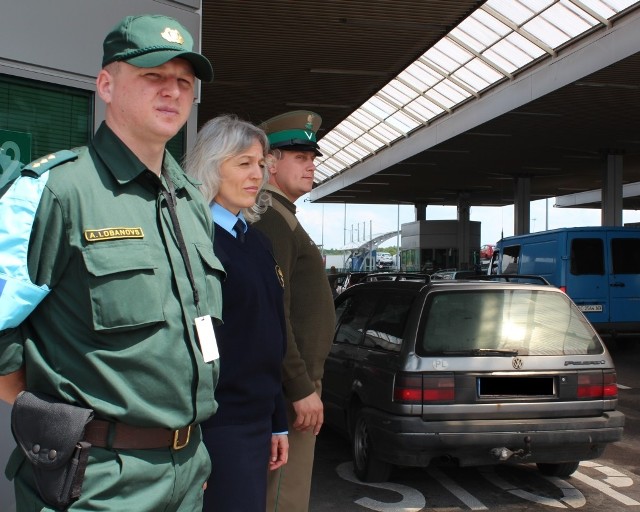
(511, 278)
(398, 276)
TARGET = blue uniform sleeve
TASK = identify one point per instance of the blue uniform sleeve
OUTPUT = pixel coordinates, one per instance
(18, 295)
(279, 418)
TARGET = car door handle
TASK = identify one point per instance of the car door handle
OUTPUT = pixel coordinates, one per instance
(618, 284)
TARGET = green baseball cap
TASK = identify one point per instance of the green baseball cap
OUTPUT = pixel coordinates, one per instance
(150, 40)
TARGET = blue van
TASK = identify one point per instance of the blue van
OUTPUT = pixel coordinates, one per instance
(598, 267)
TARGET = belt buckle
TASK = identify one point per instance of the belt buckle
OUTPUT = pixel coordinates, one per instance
(176, 439)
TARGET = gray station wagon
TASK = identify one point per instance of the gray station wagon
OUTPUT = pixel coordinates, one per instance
(468, 372)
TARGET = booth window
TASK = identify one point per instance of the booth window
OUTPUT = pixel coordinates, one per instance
(50, 117)
(38, 118)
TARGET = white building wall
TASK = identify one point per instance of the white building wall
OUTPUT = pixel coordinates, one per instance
(60, 42)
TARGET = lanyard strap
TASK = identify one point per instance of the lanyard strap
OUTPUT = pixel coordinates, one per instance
(170, 196)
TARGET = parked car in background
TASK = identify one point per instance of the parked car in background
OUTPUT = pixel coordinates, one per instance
(486, 251)
(384, 260)
(397, 276)
(472, 372)
(344, 280)
(454, 274)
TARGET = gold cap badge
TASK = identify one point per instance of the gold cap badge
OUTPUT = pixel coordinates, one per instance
(172, 35)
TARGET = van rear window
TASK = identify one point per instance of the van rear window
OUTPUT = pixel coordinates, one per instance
(526, 322)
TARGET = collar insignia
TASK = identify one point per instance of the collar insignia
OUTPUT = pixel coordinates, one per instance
(280, 275)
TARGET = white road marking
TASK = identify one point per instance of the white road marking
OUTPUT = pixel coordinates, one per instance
(412, 500)
(604, 488)
(465, 497)
(489, 474)
(614, 477)
(571, 496)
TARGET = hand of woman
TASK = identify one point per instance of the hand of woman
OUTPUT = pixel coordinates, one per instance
(279, 451)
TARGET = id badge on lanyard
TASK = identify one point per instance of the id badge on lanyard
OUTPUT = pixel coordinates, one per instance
(207, 338)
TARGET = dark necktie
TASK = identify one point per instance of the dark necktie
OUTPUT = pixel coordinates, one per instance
(239, 229)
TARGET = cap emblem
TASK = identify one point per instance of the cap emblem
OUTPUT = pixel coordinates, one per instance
(172, 35)
(309, 125)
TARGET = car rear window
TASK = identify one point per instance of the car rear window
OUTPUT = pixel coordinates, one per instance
(374, 320)
(526, 322)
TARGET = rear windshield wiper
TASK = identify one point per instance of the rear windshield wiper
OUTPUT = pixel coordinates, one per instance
(481, 352)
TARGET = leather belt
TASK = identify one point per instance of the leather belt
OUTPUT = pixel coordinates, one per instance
(120, 436)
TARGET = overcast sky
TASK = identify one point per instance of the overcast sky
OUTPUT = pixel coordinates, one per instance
(326, 223)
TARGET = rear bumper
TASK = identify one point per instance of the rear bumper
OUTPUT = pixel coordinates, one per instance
(410, 441)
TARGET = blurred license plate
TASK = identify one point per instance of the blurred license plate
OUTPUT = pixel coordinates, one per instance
(590, 307)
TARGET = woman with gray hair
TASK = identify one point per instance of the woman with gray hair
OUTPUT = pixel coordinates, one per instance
(248, 433)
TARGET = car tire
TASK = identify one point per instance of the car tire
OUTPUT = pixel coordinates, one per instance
(366, 465)
(561, 469)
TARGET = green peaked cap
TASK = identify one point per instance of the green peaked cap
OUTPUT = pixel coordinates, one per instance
(149, 40)
(294, 131)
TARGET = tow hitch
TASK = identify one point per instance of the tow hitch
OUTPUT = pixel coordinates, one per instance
(505, 453)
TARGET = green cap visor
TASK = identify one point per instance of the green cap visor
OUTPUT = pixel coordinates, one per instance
(201, 65)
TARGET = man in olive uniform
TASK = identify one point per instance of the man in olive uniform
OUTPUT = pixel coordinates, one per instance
(115, 241)
(309, 309)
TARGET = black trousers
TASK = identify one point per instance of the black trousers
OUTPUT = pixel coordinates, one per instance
(239, 461)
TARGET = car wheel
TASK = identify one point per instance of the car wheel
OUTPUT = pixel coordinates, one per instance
(561, 469)
(366, 465)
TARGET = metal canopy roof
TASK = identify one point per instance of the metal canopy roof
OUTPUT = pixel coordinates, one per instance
(394, 82)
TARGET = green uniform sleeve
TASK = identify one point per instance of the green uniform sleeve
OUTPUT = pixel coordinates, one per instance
(11, 352)
(295, 378)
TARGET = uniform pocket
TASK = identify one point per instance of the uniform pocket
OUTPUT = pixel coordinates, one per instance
(212, 272)
(124, 286)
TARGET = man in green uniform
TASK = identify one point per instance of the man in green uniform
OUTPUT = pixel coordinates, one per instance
(120, 246)
(309, 309)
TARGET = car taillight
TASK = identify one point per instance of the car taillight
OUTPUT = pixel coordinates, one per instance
(563, 289)
(416, 389)
(594, 385)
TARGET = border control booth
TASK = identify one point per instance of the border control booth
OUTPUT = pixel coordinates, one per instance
(431, 245)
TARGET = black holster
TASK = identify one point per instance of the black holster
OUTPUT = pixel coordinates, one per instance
(50, 435)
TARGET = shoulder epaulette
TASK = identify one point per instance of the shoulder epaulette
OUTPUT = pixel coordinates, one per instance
(39, 166)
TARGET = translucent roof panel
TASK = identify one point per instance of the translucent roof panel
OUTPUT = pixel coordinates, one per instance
(356, 150)
(363, 118)
(478, 75)
(399, 93)
(385, 132)
(424, 108)
(558, 24)
(497, 41)
(513, 52)
(402, 122)
(477, 34)
(371, 142)
(420, 74)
